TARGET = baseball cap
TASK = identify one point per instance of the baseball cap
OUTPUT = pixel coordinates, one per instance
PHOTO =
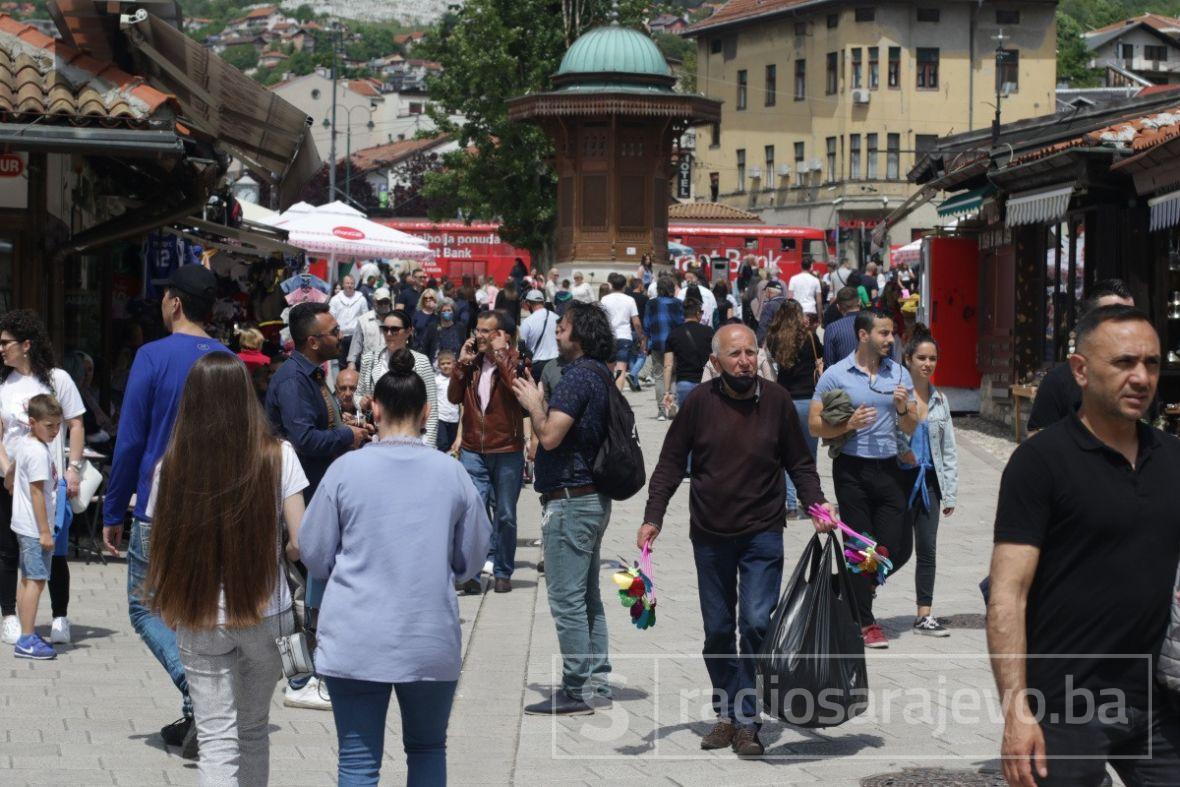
(195, 280)
(774, 284)
(382, 294)
(535, 296)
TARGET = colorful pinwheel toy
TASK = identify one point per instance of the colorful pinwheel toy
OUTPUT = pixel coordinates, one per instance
(861, 553)
(636, 590)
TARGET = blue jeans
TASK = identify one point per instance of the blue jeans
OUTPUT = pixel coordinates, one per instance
(741, 575)
(571, 532)
(498, 478)
(683, 389)
(160, 639)
(636, 362)
(802, 408)
(623, 350)
(360, 707)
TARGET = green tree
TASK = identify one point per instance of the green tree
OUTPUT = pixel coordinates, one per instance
(490, 52)
(1072, 56)
(304, 13)
(241, 57)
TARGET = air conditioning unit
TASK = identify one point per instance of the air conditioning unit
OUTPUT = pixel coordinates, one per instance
(756, 172)
(816, 165)
(784, 170)
(860, 96)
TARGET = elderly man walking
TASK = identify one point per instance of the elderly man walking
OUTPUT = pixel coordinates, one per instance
(736, 517)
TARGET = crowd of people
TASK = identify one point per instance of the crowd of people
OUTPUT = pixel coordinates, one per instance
(267, 525)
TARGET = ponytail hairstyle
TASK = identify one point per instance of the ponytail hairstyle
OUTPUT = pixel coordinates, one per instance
(400, 391)
(919, 336)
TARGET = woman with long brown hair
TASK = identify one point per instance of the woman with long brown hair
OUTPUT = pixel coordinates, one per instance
(215, 573)
(798, 355)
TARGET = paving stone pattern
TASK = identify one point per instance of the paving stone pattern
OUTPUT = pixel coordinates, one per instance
(92, 716)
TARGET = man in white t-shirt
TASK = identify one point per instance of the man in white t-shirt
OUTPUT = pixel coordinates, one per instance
(347, 306)
(805, 288)
(623, 314)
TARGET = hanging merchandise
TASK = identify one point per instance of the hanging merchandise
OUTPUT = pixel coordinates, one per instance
(304, 280)
(637, 592)
(160, 255)
(811, 669)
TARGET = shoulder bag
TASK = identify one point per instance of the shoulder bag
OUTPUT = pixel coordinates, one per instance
(293, 650)
(819, 359)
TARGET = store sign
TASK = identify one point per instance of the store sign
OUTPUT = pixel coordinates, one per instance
(684, 177)
(348, 233)
(14, 181)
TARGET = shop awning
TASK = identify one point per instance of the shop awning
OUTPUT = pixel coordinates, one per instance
(129, 142)
(1165, 211)
(269, 135)
(966, 203)
(1039, 206)
(255, 243)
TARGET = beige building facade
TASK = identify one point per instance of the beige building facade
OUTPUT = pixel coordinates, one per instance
(828, 104)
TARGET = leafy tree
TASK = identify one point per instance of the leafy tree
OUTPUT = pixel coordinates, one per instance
(1072, 56)
(241, 57)
(490, 52)
(316, 190)
(304, 13)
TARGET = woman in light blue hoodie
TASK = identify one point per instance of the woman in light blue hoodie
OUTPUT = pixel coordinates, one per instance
(930, 448)
(392, 528)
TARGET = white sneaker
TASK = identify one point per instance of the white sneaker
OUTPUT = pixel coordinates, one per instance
(313, 696)
(11, 630)
(59, 632)
(489, 567)
(661, 417)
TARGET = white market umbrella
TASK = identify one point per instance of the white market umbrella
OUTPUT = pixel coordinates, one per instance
(338, 230)
(910, 254)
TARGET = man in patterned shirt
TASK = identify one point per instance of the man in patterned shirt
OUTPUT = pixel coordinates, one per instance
(663, 313)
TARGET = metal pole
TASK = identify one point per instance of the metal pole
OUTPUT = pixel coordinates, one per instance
(348, 158)
(999, 39)
(332, 153)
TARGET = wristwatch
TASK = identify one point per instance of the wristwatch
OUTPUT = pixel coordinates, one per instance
(76, 466)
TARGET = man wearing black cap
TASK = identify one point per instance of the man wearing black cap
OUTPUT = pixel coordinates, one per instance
(145, 425)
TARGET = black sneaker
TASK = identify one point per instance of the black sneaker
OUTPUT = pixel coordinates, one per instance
(930, 627)
(175, 733)
(559, 704)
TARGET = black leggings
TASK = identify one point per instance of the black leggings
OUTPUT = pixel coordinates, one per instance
(59, 577)
(871, 494)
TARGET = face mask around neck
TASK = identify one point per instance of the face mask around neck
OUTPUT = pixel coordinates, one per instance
(740, 385)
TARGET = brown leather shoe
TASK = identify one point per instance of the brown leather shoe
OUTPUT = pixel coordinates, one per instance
(720, 736)
(746, 743)
(503, 585)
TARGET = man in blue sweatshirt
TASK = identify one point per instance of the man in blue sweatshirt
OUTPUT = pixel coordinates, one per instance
(145, 426)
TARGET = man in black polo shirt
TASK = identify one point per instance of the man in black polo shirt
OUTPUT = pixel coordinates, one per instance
(1087, 541)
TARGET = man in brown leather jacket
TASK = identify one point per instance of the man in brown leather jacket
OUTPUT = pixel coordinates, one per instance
(492, 448)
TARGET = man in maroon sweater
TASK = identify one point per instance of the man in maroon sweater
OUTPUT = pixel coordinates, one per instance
(742, 433)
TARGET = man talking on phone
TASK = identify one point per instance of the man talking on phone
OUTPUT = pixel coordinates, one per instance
(492, 445)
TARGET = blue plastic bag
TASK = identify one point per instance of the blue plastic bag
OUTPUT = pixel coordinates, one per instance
(63, 518)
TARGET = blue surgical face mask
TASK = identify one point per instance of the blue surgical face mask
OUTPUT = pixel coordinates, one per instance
(448, 315)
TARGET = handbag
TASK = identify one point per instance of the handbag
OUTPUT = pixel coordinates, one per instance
(293, 650)
(819, 361)
(87, 486)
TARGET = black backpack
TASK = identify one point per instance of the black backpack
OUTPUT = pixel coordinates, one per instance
(618, 467)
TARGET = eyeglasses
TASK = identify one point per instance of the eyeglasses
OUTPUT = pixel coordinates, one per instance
(878, 390)
(391, 329)
(340, 388)
(431, 300)
(334, 332)
(5, 342)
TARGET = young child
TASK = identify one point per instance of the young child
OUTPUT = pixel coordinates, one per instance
(448, 414)
(34, 504)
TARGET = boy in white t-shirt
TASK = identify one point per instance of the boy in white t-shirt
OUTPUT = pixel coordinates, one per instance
(34, 504)
(447, 440)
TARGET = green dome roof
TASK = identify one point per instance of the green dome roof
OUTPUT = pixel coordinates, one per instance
(614, 49)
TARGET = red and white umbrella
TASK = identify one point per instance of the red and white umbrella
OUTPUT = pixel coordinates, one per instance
(338, 230)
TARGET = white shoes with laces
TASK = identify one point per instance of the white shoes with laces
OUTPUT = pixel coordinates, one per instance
(59, 631)
(11, 632)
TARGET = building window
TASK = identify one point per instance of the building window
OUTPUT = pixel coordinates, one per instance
(927, 14)
(831, 159)
(1007, 71)
(892, 156)
(742, 83)
(729, 48)
(874, 67)
(927, 68)
(715, 139)
(714, 186)
(866, 14)
(798, 163)
(800, 28)
(857, 67)
(771, 85)
(1159, 53)
(768, 176)
(833, 21)
(854, 156)
(1007, 16)
(741, 169)
(715, 46)
(833, 81)
(894, 66)
(800, 80)
(871, 161)
(1127, 54)
(924, 144)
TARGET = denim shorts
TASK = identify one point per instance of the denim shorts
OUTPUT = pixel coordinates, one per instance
(623, 350)
(35, 562)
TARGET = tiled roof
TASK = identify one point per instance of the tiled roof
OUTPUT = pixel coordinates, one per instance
(709, 211)
(1135, 135)
(379, 156)
(261, 13)
(363, 87)
(1156, 21)
(44, 78)
(736, 10)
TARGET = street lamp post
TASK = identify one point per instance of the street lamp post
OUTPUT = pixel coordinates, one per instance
(332, 191)
(1001, 56)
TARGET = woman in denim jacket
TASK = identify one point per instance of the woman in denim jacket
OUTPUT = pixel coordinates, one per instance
(931, 460)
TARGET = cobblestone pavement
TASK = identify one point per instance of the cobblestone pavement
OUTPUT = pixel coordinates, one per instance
(92, 717)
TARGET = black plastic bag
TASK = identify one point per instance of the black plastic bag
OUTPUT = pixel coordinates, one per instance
(811, 668)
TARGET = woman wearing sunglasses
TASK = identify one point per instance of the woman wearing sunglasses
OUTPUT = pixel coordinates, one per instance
(397, 331)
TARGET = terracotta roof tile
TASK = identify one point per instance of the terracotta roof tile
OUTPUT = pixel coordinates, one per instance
(1156, 21)
(736, 10)
(710, 211)
(378, 156)
(1136, 135)
(42, 76)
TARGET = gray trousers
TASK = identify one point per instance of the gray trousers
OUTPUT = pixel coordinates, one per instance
(231, 678)
(657, 375)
